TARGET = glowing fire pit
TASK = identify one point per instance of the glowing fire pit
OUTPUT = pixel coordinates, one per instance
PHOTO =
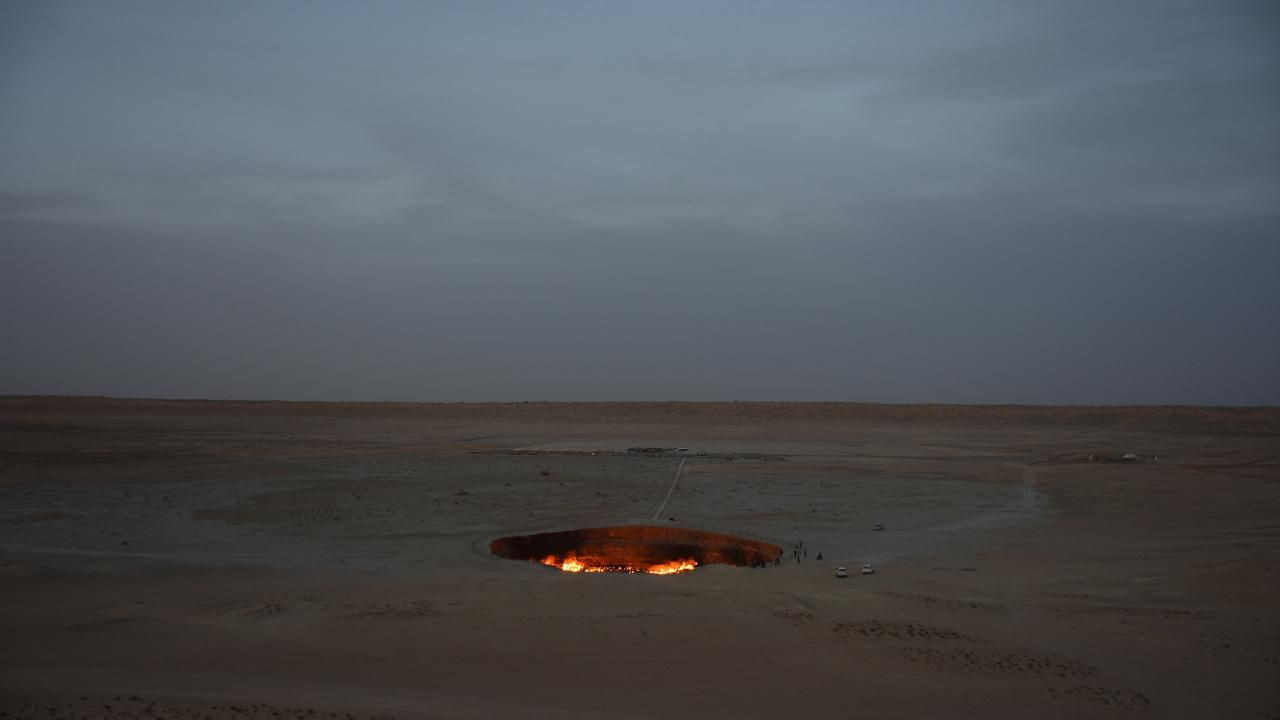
(635, 549)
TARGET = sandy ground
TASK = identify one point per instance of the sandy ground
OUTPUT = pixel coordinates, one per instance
(220, 560)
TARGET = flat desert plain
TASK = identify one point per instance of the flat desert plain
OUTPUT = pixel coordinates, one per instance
(307, 560)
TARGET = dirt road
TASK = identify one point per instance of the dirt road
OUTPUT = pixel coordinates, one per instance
(666, 498)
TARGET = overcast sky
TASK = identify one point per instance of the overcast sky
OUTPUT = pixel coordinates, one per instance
(1023, 202)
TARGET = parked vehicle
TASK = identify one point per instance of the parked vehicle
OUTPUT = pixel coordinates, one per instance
(841, 572)
(867, 569)
(877, 527)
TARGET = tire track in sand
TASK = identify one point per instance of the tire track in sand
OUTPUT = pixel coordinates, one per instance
(670, 489)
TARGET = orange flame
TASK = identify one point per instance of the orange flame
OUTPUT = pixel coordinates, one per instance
(673, 567)
(571, 563)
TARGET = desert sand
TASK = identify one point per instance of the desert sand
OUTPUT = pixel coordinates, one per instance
(309, 560)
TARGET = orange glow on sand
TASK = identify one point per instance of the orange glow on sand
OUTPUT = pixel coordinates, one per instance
(571, 563)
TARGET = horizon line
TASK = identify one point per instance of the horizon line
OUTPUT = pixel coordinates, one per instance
(1117, 405)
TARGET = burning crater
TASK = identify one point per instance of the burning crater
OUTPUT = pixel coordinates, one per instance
(634, 549)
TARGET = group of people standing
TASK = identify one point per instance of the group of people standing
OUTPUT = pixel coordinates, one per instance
(798, 553)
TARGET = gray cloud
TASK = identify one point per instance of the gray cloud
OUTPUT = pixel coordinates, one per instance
(1055, 202)
(35, 203)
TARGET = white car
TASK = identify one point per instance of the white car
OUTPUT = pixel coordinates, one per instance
(867, 569)
(841, 572)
